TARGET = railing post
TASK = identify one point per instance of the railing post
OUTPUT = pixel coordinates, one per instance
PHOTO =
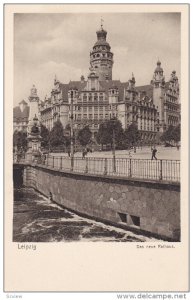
(160, 176)
(72, 163)
(61, 162)
(47, 159)
(105, 167)
(130, 173)
(86, 167)
(53, 162)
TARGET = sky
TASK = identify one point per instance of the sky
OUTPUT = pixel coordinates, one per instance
(46, 45)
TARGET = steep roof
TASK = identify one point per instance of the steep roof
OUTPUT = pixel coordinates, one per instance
(105, 85)
(80, 85)
(148, 89)
(19, 116)
(167, 85)
(23, 102)
(64, 89)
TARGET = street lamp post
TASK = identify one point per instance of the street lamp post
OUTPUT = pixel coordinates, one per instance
(71, 133)
(113, 150)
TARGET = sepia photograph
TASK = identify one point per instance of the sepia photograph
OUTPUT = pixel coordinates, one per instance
(96, 127)
(97, 139)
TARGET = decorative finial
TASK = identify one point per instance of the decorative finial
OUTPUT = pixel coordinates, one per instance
(33, 91)
(158, 62)
(102, 23)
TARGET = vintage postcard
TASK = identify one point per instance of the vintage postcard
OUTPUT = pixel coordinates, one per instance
(96, 138)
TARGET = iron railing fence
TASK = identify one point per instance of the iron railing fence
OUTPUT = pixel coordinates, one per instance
(165, 170)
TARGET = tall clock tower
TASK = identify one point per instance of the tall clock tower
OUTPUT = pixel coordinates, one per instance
(158, 83)
(101, 57)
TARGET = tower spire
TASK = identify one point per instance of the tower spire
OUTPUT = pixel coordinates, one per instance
(102, 21)
(101, 57)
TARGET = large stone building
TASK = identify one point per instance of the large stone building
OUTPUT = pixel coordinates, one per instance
(21, 116)
(152, 107)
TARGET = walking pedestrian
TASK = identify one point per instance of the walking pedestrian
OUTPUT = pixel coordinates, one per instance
(154, 150)
(84, 153)
(43, 158)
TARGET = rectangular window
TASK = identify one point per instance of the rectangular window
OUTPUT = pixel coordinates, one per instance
(90, 116)
(84, 97)
(95, 116)
(123, 217)
(135, 220)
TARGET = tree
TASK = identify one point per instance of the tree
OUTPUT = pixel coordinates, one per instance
(177, 133)
(172, 134)
(20, 140)
(45, 134)
(57, 135)
(84, 136)
(105, 132)
(132, 135)
(67, 138)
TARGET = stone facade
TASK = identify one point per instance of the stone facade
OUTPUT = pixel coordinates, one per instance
(101, 57)
(149, 206)
(166, 99)
(152, 107)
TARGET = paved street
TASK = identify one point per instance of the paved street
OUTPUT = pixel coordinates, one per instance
(144, 153)
(128, 163)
